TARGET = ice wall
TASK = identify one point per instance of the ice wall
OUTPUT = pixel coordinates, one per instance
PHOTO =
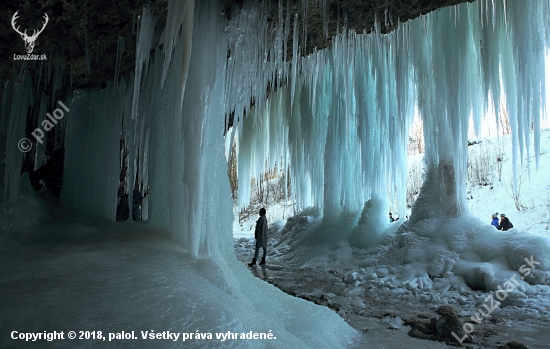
(339, 117)
(92, 157)
(16, 100)
(342, 120)
(190, 192)
(186, 138)
(23, 107)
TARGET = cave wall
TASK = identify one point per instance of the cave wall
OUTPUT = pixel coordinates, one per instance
(86, 37)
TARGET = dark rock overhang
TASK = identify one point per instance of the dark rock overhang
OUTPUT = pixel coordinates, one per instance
(100, 28)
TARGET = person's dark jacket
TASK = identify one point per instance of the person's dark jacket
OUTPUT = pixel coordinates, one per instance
(261, 232)
(505, 224)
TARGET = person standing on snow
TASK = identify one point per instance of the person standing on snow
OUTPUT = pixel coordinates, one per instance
(260, 234)
(505, 223)
(495, 221)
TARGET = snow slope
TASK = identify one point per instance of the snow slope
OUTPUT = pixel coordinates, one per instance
(534, 189)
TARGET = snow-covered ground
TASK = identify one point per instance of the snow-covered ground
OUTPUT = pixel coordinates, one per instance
(412, 270)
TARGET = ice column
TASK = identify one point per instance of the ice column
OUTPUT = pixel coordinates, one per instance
(92, 143)
(17, 99)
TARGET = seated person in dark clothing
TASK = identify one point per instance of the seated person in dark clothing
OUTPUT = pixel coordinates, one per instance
(51, 174)
(505, 223)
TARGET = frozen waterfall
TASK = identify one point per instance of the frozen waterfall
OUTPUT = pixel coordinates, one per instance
(339, 118)
(342, 122)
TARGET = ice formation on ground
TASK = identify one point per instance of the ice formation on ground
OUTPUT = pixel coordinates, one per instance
(78, 273)
(459, 253)
(456, 261)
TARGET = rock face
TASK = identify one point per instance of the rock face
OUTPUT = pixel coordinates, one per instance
(513, 345)
(358, 15)
(83, 37)
(448, 323)
(73, 28)
(440, 329)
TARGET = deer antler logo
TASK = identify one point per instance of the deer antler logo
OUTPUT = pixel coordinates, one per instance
(29, 40)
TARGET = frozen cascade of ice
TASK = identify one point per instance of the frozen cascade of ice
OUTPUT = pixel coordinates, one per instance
(180, 13)
(188, 170)
(452, 65)
(345, 121)
(341, 124)
(92, 142)
(17, 98)
(322, 174)
(136, 128)
(96, 128)
(295, 59)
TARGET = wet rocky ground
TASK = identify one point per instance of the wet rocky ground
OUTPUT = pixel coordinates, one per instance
(391, 317)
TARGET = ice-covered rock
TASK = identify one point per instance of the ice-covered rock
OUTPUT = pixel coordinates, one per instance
(350, 277)
(342, 301)
(462, 300)
(509, 298)
(382, 272)
(371, 225)
(357, 303)
(478, 276)
(393, 322)
(425, 298)
(449, 323)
